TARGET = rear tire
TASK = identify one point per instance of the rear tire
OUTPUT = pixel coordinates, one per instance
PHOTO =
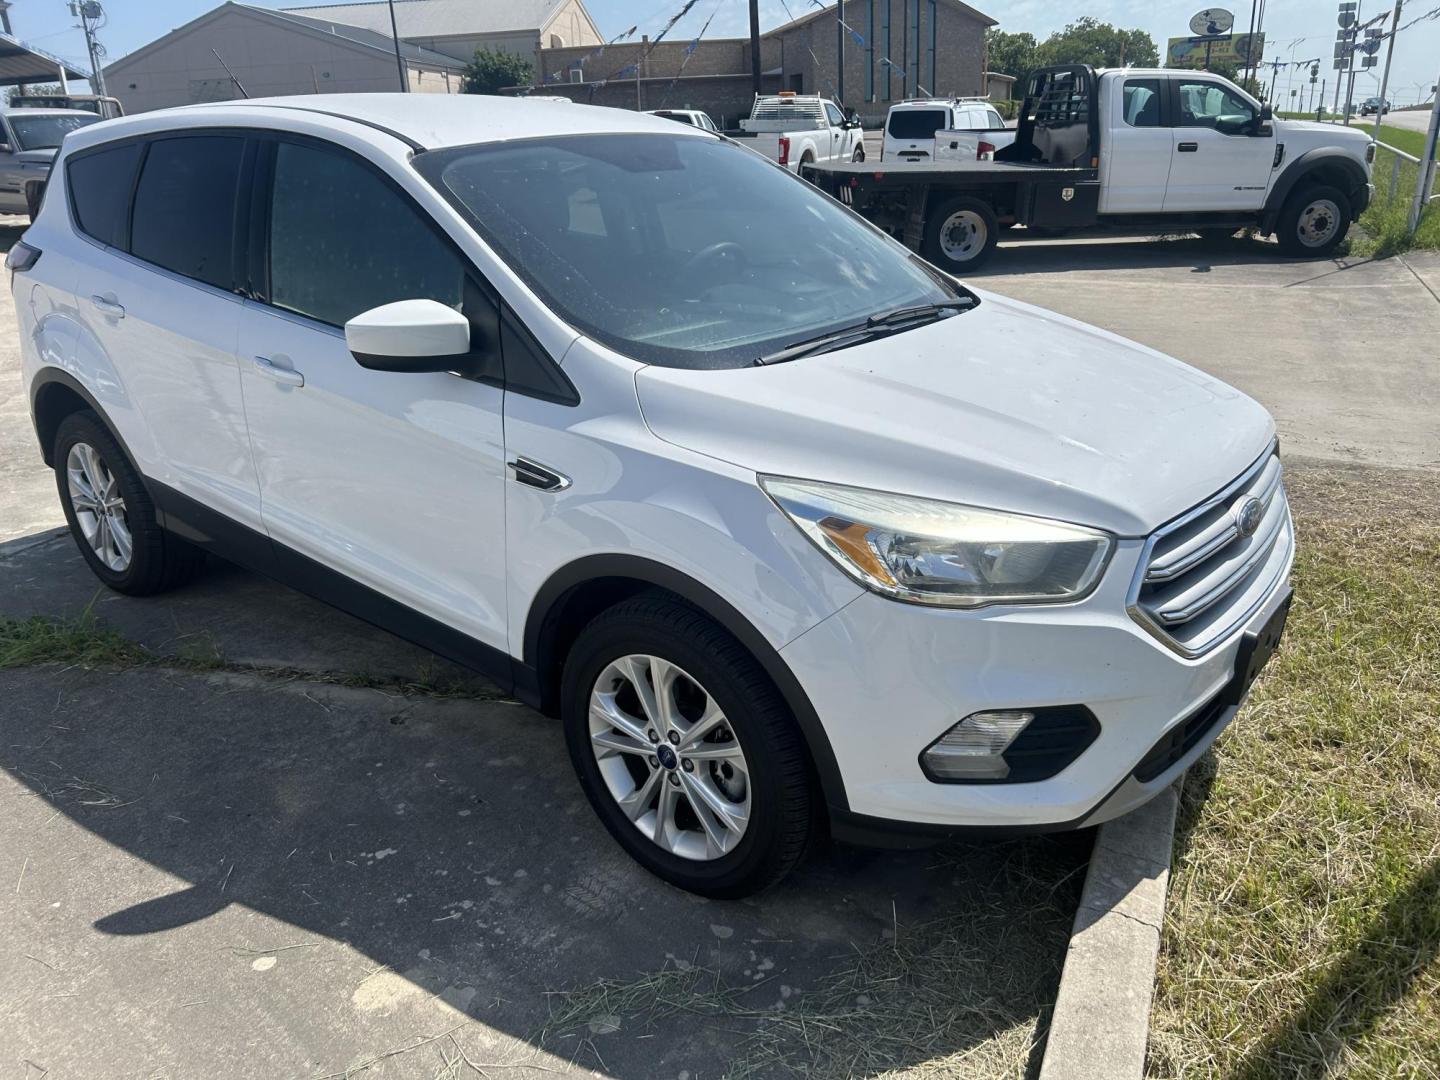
(960, 234)
(704, 672)
(111, 515)
(1313, 221)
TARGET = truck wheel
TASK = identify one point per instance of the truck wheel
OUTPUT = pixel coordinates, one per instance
(1313, 221)
(960, 234)
(859, 155)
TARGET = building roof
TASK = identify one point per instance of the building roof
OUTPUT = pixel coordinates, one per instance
(21, 63)
(829, 12)
(429, 120)
(351, 35)
(364, 36)
(439, 18)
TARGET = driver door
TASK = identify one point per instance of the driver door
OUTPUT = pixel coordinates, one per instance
(1221, 159)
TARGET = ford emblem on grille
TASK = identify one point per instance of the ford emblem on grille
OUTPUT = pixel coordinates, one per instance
(1248, 515)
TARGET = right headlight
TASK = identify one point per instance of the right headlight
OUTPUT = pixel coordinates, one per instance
(930, 552)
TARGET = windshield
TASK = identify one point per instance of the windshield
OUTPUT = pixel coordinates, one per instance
(677, 250)
(45, 132)
(915, 123)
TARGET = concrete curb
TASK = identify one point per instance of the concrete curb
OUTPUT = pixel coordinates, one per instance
(1102, 1013)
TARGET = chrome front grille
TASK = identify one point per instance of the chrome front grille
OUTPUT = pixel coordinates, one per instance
(1209, 570)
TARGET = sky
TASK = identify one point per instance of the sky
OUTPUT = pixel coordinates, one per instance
(1307, 25)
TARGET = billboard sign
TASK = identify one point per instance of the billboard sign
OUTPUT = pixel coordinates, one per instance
(1237, 49)
(1212, 22)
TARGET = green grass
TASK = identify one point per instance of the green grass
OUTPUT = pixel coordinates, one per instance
(1302, 937)
(1386, 220)
(80, 641)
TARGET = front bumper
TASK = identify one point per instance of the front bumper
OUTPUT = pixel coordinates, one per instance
(887, 679)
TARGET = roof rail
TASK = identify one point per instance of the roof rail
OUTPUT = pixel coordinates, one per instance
(952, 98)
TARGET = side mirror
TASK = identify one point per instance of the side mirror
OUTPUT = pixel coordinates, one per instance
(1266, 113)
(409, 336)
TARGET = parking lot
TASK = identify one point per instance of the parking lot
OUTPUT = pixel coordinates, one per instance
(294, 845)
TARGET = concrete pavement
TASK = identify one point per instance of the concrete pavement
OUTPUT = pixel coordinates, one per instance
(1343, 351)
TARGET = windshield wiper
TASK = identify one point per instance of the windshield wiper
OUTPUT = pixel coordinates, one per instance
(880, 325)
(919, 311)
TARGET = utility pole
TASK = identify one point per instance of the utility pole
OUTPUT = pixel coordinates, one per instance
(755, 45)
(91, 16)
(840, 51)
(399, 63)
(1385, 76)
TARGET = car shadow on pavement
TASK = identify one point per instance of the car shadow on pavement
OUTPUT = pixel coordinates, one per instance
(443, 843)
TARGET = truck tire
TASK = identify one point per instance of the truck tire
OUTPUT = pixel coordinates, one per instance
(859, 154)
(1313, 221)
(960, 234)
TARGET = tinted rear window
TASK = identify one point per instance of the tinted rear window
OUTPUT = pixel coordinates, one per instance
(100, 186)
(916, 123)
(184, 217)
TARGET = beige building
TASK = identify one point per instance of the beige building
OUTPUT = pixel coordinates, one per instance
(338, 48)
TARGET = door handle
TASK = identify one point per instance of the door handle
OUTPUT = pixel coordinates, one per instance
(271, 370)
(1188, 147)
(106, 306)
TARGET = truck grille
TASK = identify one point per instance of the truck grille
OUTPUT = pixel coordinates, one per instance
(1208, 571)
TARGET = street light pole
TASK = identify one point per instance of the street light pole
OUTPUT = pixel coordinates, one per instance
(754, 45)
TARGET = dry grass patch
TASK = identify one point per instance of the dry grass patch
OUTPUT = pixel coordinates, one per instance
(1302, 936)
(961, 996)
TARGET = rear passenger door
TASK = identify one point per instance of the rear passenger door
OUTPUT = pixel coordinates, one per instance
(1137, 147)
(159, 303)
(394, 480)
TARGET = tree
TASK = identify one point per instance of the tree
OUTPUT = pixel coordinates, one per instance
(489, 71)
(1010, 54)
(1227, 70)
(1090, 41)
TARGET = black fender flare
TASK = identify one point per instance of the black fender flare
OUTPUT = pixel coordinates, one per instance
(1331, 158)
(541, 622)
(53, 376)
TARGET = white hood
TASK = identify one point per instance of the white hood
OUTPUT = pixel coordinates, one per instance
(1005, 406)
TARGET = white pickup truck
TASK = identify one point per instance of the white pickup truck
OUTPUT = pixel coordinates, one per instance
(802, 129)
(944, 129)
(1133, 150)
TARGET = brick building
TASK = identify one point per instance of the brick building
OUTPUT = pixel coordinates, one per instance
(911, 48)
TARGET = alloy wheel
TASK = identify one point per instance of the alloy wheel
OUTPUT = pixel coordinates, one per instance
(99, 507)
(669, 757)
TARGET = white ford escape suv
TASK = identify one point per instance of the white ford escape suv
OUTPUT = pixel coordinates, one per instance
(791, 530)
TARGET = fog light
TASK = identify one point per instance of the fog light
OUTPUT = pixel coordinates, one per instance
(972, 749)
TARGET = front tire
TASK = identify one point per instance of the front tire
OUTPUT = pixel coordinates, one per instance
(859, 155)
(961, 234)
(1313, 221)
(685, 748)
(110, 513)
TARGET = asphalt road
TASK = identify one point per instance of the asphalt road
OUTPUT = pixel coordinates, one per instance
(1410, 119)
